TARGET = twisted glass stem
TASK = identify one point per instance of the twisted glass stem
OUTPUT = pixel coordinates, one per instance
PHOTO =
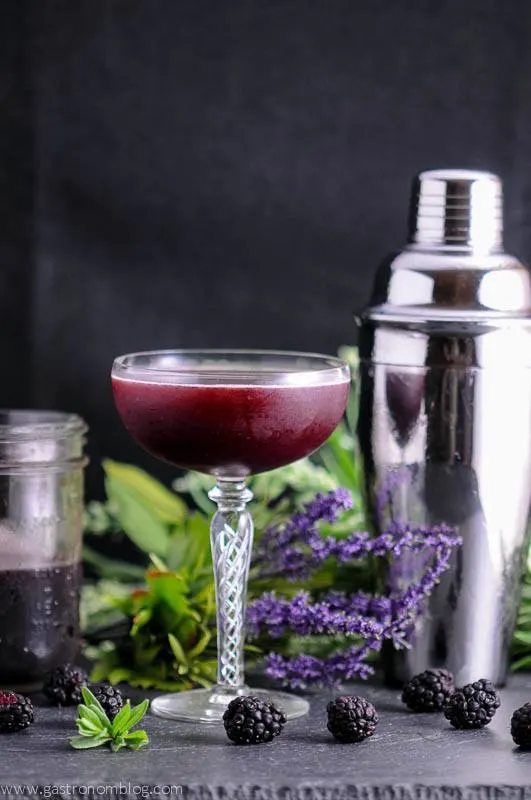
(231, 538)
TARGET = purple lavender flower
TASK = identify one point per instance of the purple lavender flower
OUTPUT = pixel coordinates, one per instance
(275, 554)
(298, 548)
(304, 618)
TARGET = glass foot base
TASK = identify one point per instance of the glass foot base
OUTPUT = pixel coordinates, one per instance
(208, 705)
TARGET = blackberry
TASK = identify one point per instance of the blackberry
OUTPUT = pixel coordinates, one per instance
(63, 685)
(351, 719)
(428, 691)
(16, 712)
(473, 706)
(110, 698)
(521, 726)
(250, 720)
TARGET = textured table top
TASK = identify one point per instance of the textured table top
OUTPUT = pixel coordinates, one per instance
(410, 756)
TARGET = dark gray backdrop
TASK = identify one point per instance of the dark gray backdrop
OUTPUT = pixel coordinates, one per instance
(228, 172)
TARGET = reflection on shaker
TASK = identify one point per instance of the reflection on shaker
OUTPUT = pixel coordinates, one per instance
(404, 394)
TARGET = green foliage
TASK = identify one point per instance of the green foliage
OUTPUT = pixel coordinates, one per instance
(151, 625)
(96, 729)
(521, 650)
(99, 609)
(167, 641)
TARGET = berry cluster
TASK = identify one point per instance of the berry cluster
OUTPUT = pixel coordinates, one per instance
(472, 706)
(62, 687)
(16, 712)
(249, 720)
(428, 691)
(521, 726)
(351, 719)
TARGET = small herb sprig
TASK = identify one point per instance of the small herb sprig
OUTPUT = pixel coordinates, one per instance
(95, 727)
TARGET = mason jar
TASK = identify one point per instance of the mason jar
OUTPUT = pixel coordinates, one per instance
(41, 514)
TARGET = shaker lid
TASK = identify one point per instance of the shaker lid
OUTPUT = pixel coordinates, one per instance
(454, 266)
(457, 207)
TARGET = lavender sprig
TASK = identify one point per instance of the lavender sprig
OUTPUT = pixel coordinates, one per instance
(371, 618)
(356, 614)
(275, 555)
(298, 549)
(304, 618)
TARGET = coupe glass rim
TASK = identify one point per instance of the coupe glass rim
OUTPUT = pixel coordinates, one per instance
(327, 368)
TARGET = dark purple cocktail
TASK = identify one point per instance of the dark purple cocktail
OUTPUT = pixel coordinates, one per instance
(230, 414)
(228, 429)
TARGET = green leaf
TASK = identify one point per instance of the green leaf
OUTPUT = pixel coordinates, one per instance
(207, 597)
(112, 569)
(206, 669)
(172, 588)
(198, 537)
(86, 729)
(98, 607)
(82, 743)
(91, 716)
(117, 744)
(140, 620)
(189, 547)
(119, 675)
(338, 460)
(197, 486)
(147, 655)
(177, 550)
(177, 650)
(158, 563)
(526, 590)
(90, 700)
(138, 521)
(121, 721)
(164, 503)
(137, 713)
(100, 671)
(201, 645)
(196, 677)
(524, 637)
(252, 648)
(93, 704)
(136, 740)
(521, 663)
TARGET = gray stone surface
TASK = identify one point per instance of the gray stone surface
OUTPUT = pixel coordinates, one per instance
(411, 756)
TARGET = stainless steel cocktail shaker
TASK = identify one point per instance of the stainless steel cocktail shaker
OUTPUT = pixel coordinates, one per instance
(445, 416)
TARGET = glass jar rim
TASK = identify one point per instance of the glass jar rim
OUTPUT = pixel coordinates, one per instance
(32, 424)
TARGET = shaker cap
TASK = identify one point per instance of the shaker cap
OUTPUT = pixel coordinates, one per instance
(457, 207)
(453, 267)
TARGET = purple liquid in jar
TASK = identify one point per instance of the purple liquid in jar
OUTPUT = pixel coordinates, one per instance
(39, 622)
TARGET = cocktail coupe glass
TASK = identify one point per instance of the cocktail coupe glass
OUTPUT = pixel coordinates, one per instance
(230, 414)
